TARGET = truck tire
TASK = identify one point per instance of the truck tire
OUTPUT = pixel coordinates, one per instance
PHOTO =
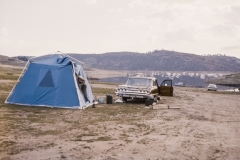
(124, 99)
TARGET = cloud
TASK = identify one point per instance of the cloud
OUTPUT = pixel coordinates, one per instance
(140, 3)
(90, 2)
(11, 46)
(3, 32)
(231, 50)
(233, 15)
(183, 34)
(225, 30)
(201, 26)
(115, 10)
(235, 48)
(4, 38)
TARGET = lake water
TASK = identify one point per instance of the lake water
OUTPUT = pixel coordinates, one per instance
(191, 81)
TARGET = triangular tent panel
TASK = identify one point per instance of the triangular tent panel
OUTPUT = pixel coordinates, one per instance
(52, 81)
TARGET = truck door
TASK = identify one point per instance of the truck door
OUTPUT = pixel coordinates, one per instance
(166, 88)
(155, 87)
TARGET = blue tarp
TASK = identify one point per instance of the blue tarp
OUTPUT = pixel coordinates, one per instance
(52, 82)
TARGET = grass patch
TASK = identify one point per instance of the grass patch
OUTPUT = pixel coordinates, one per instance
(103, 91)
(6, 86)
(85, 134)
(104, 138)
(128, 141)
(48, 132)
(146, 133)
(167, 118)
(63, 156)
(123, 135)
(8, 76)
(10, 73)
(48, 145)
(217, 151)
(106, 83)
(143, 141)
(84, 137)
(5, 144)
(14, 151)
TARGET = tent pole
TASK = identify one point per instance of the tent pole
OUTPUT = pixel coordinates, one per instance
(23, 71)
(17, 81)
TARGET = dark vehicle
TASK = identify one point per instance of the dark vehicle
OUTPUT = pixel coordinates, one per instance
(140, 87)
(180, 84)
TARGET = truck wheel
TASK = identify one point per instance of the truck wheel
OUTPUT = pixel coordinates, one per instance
(124, 99)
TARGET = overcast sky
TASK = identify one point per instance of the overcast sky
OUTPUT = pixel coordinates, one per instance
(38, 27)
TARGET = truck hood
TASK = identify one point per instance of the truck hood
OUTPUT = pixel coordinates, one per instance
(129, 86)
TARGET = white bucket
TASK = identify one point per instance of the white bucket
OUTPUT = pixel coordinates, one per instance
(101, 100)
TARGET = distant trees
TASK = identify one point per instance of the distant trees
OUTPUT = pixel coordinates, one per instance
(160, 60)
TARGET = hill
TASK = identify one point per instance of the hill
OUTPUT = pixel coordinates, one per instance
(13, 61)
(159, 60)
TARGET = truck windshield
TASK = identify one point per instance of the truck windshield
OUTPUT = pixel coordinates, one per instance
(211, 85)
(139, 82)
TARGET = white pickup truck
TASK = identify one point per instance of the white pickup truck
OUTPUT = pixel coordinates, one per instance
(141, 87)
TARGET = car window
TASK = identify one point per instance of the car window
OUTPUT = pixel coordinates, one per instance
(166, 83)
(154, 83)
(212, 85)
(139, 82)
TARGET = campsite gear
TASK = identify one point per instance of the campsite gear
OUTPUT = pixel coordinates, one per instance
(50, 81)
(93, 106)
(109, 99)
(118, 101)
(101, 100)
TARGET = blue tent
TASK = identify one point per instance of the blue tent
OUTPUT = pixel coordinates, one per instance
(51, 81)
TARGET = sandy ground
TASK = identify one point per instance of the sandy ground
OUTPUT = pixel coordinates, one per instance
(207, 126)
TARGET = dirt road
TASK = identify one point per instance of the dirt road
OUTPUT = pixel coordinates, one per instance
(207, 126)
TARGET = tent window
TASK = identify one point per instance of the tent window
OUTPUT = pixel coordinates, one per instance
(47, 80)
